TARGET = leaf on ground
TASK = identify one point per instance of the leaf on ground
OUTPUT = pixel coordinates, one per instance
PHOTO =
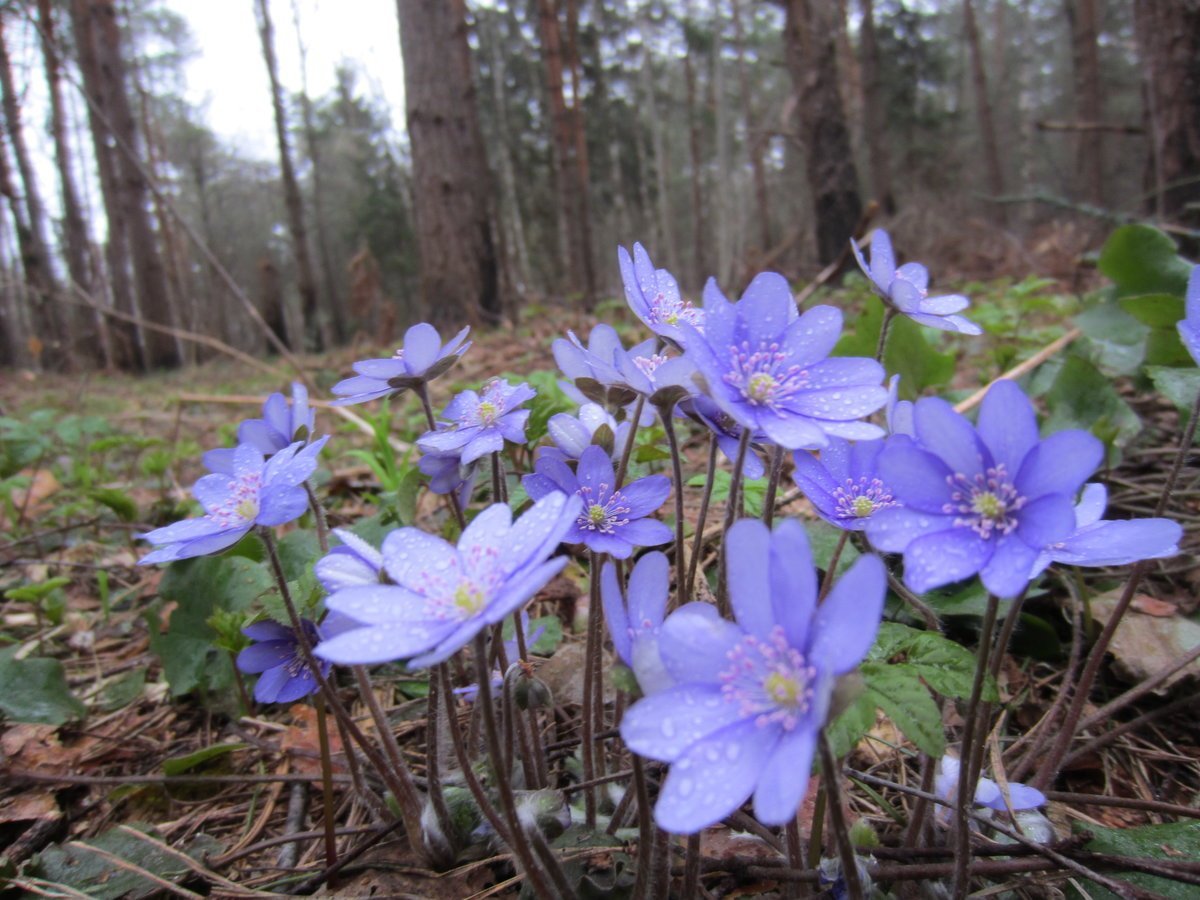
(35, 690)
(898, 691)
(177, 765)
(1146, 644)
(1178, 842)
(302, 744)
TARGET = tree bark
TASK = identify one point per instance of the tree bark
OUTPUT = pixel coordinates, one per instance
(829, 161)
(873, 111)
(696, 180)
(451, 181)
(1082, 17)
(582, 169)
(1168, 37)
(983, 104)
(755, 139)
(306, 284)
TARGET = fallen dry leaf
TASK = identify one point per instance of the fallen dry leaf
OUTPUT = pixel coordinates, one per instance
(1152, 606)
(1144, 645)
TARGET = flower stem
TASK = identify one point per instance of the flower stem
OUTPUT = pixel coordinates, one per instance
(1053, 760)
(884, 327)
(433, 761)
(777, 454)
(623, 466)
(326, 783)
(837, 819)
(967, 754)
(731, 513)
(645, 827)
(499, 488)
(702, 516)
(593, 690)
(816, 832)
(827, 581)
(677, 476)
(795, 854)
(318, 517)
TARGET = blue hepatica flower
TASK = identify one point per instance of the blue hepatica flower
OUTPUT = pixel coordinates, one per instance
(482, 422)
(635, 621)
(1101, 542)
(276, 654)
(653, 295)
(608, 373)
(281, 425)
(444, 594)
(446, 471)
(254, 492)
(574, 434)
(1189, 326)
(727, 431)
(906, 289)
(353, 563)
(987, 792)
(422, 358)
(985, 499)
(750, 697)
(610, 520)
(768, 368)
(842, 484)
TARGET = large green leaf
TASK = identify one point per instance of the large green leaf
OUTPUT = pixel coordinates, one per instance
(1141, 259)
(910, 353)
(1155, 310)
(1082, 397)
(1178, 842)
(35, 690)
(947, 667)
(1115, 340)
(898, 691)
(1180, 386)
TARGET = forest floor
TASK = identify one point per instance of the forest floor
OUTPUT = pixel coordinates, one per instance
(227, 802)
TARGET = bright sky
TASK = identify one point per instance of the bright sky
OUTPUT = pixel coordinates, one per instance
(228, 78)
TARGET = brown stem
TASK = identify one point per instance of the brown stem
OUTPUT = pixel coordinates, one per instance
(705, 498)
(623, 466)
(677, 478)
(837, 818)
(777, 455)
(731, 514)
(326, 783)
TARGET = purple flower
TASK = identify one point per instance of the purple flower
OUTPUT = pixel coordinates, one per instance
(750, 697)
(985, 499)
(445, 594)
(728, 432)
(1189, 326)
(355, 562)
(768, 369)
(446, 471)
(254, 492)
(482, 422)
(280, 425)
(422, 358)
(653, 295)
(906, 289)
(607, 373)
(899, 413)
(987, 792)
(843, 485)
(574, 434)
(276, 655)
(1102, 542)
(635, 621)
(609, 521)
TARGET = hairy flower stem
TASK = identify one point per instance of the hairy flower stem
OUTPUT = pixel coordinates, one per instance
(968, 755)
(1006, 633)
(433, 761)
(691, 866)
(777, 456)
(327, 804)
(833, 774)
(827, 581)
(517, 838)
(701, 517)
(1053, 760)
(422, 393)
(400, 783)
(732, 506)
(928, 616)
(884, 327)
(816, 832)
(318, 512)
(634, 420)
(916, 819)
(593, 690)
(499, 488)
(645, 827)
(795, 854)
(668, 421)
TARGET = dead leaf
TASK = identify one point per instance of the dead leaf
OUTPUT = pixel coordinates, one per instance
(301, 742)
(1144, 645)
(1152, 606)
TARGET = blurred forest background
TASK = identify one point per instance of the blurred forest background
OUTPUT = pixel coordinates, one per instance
(728, 136)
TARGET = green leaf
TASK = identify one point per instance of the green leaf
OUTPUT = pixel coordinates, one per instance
(898, 691)
(1177, 841)
(177, 765)
(650, 453)
(1082, 397)
(1143, 260)
(550, 638)
(298, 551)
(910, 352)
(1155, 310)
(1180, 386)
(823, 539)
(848, 729)
(122, 690)
(1115, 340)
(32, 593)
(1164, 348)
(118, 501)
(945, 666)
(754, 489)
(35, 690)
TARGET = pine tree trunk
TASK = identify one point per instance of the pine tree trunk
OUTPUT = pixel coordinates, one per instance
(582, 169)
(983, 104)
(451, 181)
(873, 111)
(508, 177)
(754, 139)
(305, 283)
(1168, 36)
(699, 224)
(829, 162)
(1089, 105)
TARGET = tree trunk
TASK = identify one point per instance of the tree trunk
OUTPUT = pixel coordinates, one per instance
(1089, 105)
(508, 177)
(582, 169)
(108, 90)
(755, 140)
(48, 315)
(658, 132)
(829, 161)
(297, 228)
(983, 104)
(697, 174)
(451, 181)
(873, 111)
(1168, 36)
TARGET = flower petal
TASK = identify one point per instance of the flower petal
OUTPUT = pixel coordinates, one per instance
(844, 626)
(1007, 572)
(383, 643)
(892, 530)
(664, 725)
(1008, 425)
(1060, 464)
(945, 557)
(694, 638)
(946, 433)
(748, 564)
(783, 780)
(793, 581)
(266, 655)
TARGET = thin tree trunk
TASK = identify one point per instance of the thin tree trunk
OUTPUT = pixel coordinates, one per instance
(754, 137)
(333, 324)
(305, 283)
(699, 224)
(1089, 105)
(983, 105)
(1168, 37)
(829, 162)
(728, 243)
(508, 177)
(48, 314)
(658, 133)
(873, 111)
(451, 181)
(582, 169)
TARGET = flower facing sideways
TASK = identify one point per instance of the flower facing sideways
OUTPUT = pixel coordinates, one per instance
(653, 295)
(635, 618)
(254, 492)
(443, 595)
(842, 484)
(987, 792)
(482, 421)
(354, 562)
(281, 424)
(422, 358)
(749, 698)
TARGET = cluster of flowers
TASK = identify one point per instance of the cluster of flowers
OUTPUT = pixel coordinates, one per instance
(734, 707)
